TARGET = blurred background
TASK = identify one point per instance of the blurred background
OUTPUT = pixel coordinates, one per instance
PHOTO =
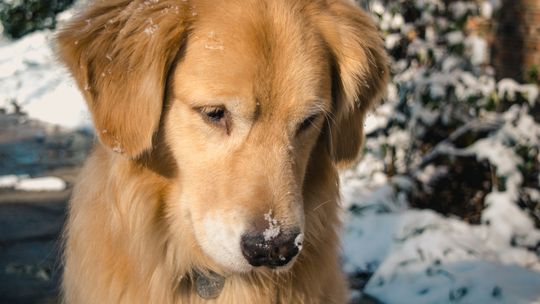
(444, 206)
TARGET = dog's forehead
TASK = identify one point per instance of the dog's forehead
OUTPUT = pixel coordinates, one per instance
(254, 54)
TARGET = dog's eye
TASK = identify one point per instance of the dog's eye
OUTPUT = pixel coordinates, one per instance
(307, 123)
(215, 116)
(212, 114)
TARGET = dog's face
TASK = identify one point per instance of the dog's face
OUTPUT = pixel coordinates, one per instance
(243, 120)
(241, 95)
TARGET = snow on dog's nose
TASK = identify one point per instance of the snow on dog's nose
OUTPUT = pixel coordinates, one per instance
(275, 252)
(272, 247)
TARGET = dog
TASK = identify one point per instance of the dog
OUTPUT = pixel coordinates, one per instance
(221, 126)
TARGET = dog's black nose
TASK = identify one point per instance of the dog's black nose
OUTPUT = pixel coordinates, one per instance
(262, 250)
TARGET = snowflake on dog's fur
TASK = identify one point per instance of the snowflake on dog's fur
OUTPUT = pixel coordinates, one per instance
(273, 229)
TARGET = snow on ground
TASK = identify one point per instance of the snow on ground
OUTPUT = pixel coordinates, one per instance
(32, 79)
(25, 183)
(419, 256)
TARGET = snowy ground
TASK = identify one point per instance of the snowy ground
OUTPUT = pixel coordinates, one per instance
(419, 256)
(407, 255)
(32, 79)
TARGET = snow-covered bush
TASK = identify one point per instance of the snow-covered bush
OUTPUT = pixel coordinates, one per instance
(450, 137)
(20, 17)
(447, 124)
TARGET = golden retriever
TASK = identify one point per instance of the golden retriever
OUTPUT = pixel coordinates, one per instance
(221, 126)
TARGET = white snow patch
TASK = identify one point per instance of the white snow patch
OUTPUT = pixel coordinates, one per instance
(471, 281)
(377, 7)
(117, 147)
(397, 21)
(151, 29)
(477, 49)
(8, 181)
(509, 87)
(273, 229)
(486, 9)
(24, 183)
(455, 37)
(419, 256)
(299, 241)
(392, 40)
(32, 78)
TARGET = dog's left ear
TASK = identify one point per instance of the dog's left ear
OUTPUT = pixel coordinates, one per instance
(360, 74)
(120, 53)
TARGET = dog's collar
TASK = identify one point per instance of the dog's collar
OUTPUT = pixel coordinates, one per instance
(208, 284)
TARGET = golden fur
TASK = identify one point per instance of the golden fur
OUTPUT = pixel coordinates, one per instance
(149, 70)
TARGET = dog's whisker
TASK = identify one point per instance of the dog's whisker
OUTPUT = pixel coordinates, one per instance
(321, 204)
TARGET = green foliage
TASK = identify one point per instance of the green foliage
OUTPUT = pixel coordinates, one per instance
(532, 75)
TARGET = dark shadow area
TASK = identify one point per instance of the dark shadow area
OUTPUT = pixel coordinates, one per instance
(30, 230)
(508, 48)
(31, 223)
(30, 147)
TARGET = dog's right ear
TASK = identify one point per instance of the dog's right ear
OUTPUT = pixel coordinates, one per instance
(360, 74)
(120, 53)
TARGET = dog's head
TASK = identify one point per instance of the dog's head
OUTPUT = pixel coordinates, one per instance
(242, 94)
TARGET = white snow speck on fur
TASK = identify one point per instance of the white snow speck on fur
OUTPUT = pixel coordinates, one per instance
(273, 229)
(299, 241)
(213, 42)
(151, 28)
(117, 147)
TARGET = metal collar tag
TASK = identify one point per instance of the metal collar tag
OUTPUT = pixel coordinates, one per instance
(209, 285)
